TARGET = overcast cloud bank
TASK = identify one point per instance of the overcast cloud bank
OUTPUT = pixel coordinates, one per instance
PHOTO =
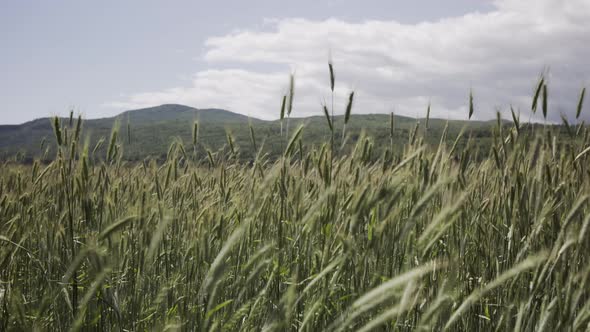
(398, 67)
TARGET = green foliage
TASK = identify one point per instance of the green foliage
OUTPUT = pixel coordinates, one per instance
(580, 103)
(327, 115)
(486, 232)
(348, 108)
(430, 236)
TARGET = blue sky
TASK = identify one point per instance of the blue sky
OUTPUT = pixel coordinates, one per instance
(105, 57)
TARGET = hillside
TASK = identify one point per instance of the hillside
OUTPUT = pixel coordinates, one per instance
(153, 129)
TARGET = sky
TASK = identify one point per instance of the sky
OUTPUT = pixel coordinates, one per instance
(104, 57)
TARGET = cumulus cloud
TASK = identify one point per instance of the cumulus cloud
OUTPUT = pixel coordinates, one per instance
(401, 67)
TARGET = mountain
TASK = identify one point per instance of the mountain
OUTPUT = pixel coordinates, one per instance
(152, 130)
(175, 112)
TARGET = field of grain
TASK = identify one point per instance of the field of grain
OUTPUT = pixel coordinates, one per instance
(434, 237)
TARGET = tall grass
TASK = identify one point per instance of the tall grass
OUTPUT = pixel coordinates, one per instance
(429, 239)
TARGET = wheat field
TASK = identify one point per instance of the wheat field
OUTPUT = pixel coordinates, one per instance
(432, 238)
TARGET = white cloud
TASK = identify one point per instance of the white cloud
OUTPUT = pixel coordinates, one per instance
(237, 90)
(399, 66)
